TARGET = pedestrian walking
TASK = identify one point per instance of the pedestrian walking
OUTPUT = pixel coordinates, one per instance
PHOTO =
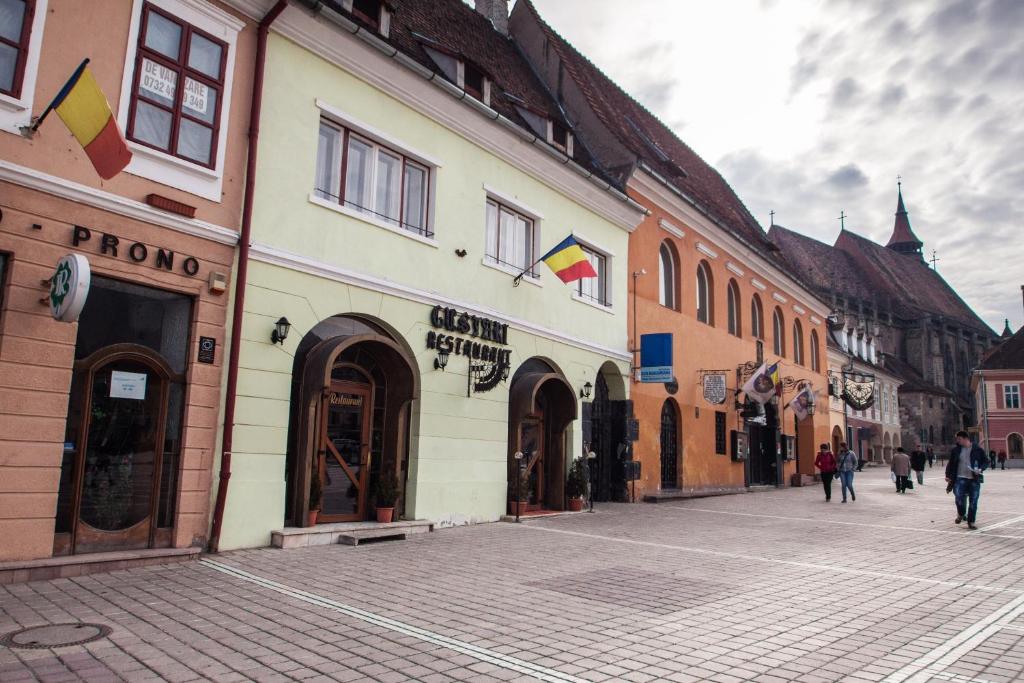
(917, 460)
(992, 459)
(1002, 460)
(848, 462)
(931, 456)
(964, 477)
(901, 469)
(825, 461)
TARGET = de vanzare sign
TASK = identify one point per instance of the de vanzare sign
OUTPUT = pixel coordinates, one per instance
(484, 329)
(136, 251)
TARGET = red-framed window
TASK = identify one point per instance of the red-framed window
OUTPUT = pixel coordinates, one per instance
(15, 31)
(370, 178)
(178, 88)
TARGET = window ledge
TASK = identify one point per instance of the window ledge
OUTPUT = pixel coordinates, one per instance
(607, 308)
(535, 281)
(344, 210)
(187, 166)
(9, 103)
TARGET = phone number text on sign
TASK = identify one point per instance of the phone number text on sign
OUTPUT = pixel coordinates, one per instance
(196, 96)
(158, 80)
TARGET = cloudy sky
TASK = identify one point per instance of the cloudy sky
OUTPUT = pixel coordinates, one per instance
(812, 108)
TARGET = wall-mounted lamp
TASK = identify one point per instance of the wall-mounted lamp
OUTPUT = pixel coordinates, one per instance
(280, 332)
(442, 359)
(585, 391)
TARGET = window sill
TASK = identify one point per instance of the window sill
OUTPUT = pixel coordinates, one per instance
(163, 157)
(607, 308)
(345, 211)
(535, 281)
(8, 103)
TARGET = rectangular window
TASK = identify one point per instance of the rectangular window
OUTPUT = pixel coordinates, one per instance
(509, 239)
(595, 288)
(177, 89)
(15, 30)
(1011, 396)
(720, 433)
(377, 181)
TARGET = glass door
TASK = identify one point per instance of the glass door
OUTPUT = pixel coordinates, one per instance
(345, 451)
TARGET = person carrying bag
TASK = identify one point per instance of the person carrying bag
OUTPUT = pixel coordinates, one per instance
(848, 464)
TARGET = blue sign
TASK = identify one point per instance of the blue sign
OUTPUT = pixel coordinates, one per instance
(656, 357)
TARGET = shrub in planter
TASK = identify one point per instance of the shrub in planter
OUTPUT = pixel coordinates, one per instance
(316, 494)
(385, 495)
(576, 484)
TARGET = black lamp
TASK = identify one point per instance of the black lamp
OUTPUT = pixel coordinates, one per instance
(585, 391)
(280, 332)
(442, 359)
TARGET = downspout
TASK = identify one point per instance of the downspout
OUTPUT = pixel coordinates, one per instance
(242, 272)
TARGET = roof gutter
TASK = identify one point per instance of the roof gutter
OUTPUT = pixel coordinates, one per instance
(242, 273)
(318, 8)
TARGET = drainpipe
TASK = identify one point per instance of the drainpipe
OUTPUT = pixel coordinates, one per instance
(242, 272)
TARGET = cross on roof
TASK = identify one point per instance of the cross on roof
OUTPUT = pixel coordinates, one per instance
(842, 220)
(933, 259)
(772, 214)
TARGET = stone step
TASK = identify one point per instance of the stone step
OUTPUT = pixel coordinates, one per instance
(67, 566)
(355, 537)
(327, 534)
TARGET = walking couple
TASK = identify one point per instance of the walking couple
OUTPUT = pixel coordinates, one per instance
(843, 467)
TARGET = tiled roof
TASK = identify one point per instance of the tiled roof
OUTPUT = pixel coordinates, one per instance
(654, 143)
(820, 265)
(453, 28)
(911, 378)
(1007, 356)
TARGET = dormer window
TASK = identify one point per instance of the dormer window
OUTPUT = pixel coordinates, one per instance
(462, 73)
(473, 81)
(560, 137)
(371, 12)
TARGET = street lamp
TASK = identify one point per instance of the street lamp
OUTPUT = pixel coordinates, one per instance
(585, 391)
(591, 458)
(280, 331)
(442, 359)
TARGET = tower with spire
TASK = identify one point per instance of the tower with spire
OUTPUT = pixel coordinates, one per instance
(903, 239)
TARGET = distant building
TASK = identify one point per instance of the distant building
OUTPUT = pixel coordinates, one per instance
(997, 389)
(888, 300)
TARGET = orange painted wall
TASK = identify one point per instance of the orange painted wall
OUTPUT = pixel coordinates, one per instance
(698, 346)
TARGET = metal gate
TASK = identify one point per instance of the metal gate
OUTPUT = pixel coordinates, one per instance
(669, 446)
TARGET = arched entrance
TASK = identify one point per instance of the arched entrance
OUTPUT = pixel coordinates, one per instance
(1015, 446)
(353, 384)
(837, 438)
(670, 451)
(604, 427)
(542, 404)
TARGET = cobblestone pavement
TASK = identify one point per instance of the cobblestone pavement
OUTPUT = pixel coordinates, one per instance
(773, 586)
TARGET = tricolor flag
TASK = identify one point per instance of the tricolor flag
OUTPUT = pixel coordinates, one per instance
(83, 108)
(763, 384)
(568, 261)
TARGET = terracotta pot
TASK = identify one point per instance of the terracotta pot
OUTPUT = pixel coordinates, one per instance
(575, 504)
(519, 507)
(384, 515)
(311, 519)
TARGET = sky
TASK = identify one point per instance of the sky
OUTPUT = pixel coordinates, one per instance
(813, 108)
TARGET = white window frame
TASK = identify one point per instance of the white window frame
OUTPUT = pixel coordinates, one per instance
(607, 255)
(161, 167)
(668, 299)
(512, 204)
(1011, 391)
(16, 112)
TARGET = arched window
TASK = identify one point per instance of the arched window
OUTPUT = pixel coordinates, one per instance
(756, 318)
(668, 277)
(798, 342)
(705, 294)
(779, 330)
(815, 360)
(733, 297)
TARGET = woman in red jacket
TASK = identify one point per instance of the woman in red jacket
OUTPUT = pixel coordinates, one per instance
(825, 461)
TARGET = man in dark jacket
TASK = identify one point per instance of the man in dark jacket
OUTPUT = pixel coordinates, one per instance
(964, 470)
(917, 461)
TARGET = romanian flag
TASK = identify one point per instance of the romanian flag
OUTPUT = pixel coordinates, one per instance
(773, 372)
(84, 110)
(568, 261)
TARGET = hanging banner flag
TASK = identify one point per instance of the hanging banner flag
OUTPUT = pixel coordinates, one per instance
(801, 403)
(568, 261)
(83, 108)
(656, 357)
(714, 388)
(763, 384)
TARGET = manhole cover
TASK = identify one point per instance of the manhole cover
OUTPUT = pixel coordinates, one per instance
(54, 635)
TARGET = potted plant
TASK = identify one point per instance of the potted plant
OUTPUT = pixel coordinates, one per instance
(385, 495)
(316, 494)
(576, 485)
(522, 491)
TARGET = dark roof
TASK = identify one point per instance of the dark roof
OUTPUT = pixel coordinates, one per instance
(1007, 332)
(901, 232)
(911, 378)
(453, 28)
(822, 266)
(652, 141)
(1007, 356)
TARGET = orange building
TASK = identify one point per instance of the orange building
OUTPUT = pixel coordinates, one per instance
(108, 423)
(703, 270)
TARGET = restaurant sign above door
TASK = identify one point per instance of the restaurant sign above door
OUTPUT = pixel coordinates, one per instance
(489, 364)
(69, 287)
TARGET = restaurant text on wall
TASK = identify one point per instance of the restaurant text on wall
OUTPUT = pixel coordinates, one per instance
(480, 330)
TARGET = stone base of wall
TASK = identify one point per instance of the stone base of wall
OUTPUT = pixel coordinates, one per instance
(92, 563)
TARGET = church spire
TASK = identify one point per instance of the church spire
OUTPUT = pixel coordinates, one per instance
(1007, 332)
(903, 239)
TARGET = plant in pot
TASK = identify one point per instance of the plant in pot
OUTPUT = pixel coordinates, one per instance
(316, 494)
(385, 495)
(576, 485)
(522, 492)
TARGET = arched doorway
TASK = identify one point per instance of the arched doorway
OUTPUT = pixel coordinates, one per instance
(837, 438)
(670, 451)
(353, 383)
(542, 404)
(604, 434)
(1015, 446)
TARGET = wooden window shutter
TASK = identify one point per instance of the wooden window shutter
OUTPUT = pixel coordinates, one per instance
(1000, 398)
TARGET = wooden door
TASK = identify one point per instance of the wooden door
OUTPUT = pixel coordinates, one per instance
(345, 451)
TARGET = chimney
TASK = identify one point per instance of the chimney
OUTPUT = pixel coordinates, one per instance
(497, 12)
